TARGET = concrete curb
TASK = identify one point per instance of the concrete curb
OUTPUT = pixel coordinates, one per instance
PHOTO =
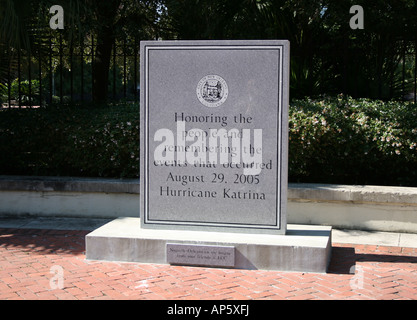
(68, 184)
(350, 193)
(373, 208)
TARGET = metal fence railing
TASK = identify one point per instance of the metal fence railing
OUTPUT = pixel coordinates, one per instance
(60, 71)
(57, 71)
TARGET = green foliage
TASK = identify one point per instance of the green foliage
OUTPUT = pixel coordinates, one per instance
(353, 141)
(25, 93)
(327, 56)
(98, 25)
(331, 140)
(65, 141)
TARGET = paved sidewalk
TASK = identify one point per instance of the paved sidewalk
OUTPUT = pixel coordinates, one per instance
(38, 263)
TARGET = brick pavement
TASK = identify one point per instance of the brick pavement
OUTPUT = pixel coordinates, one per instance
(50, 264)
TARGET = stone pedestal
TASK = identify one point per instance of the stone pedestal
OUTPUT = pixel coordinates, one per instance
(303, 248)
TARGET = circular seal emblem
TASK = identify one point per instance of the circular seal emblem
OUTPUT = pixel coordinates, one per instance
(212, 91)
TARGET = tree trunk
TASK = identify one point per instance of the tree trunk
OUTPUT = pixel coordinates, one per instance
(106, 12)
(101, 66)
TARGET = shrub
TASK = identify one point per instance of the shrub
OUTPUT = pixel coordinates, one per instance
(353, 141)
(24, 91)
(65, 141)
(331, 140)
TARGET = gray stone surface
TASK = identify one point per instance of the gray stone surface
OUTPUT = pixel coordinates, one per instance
(303, 248)
(250, 84)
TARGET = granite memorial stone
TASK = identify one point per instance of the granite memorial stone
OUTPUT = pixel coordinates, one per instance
(214, 135)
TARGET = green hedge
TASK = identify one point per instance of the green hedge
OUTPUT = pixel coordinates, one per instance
(353, 141)
(332, 140)
(65, 141)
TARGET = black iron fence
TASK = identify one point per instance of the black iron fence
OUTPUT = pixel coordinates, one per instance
(59, 71)
(408, 84)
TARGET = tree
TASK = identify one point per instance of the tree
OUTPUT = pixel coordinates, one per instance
(25, 32)
(124, 19)
(105, 17)
(26, 24)
(327, 56)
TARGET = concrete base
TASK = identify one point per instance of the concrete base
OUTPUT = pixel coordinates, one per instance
(304, 248)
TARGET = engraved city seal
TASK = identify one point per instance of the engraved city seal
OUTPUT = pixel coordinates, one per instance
(212, 91)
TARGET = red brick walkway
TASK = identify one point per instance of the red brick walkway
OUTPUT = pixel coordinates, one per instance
(50, 264)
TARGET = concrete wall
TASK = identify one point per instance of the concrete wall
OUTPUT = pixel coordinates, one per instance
(341, 206)
(68, 197)
(376, 208)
